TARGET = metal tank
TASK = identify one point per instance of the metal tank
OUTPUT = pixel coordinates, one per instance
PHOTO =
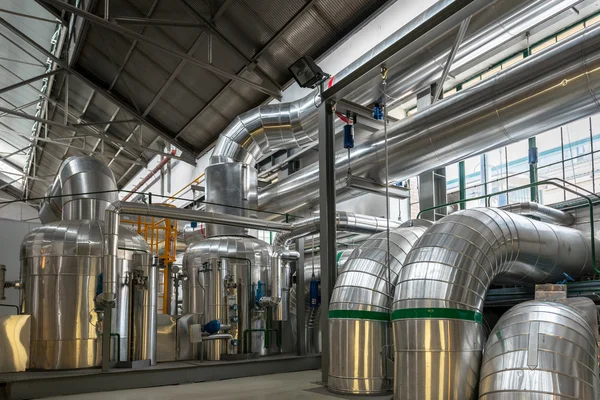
(61, 265)
(229, 272)
(438, 303)
(359, 313)
(540, 350)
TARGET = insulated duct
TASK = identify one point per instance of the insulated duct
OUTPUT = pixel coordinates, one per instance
(544, 213)
(290, 125)
(83, 188)
(359, 313)
(438, 336)
(544, 91)
(541, 350)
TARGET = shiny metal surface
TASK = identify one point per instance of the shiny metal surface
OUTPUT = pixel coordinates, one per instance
(166, 338)
(86, 186)
(2, 280)
(192, 235)
(202, 291)
(231, 188)
(144, 288)
(14, 341)
(540, 350)
(548, 89)
(60, 265)
(544, 213)
(359, 313)
(441, 289)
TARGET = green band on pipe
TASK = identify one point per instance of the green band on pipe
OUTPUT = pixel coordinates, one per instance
(443, 313)
(339, 255)
(359, 314)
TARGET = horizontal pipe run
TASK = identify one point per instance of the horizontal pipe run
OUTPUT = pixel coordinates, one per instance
(544, 213)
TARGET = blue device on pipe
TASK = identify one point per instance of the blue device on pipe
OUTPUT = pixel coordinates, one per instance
(212, 327)
(314, 293)
(348, 136)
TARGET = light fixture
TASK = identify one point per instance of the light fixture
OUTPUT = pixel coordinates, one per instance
(307, 73)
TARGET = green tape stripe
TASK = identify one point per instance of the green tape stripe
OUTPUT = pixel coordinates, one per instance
(443, 313)
(338, 256)
(359, 314)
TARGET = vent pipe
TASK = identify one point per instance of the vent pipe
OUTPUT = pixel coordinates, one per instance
(544, 213)
(438, 303)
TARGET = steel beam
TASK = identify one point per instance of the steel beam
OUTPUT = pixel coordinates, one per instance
(126, 32)
(30, 80)
(29, 16)
(300, 300)
(156, 22)
(84, 132)
(327, 222)
(110, 122)
(188, 153)
(462, 30)
(417, 39)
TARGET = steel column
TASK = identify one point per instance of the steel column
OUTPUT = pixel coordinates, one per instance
(327, 221)
(462, 184)
(300, 300)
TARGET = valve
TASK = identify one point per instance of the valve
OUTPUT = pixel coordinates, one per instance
(234, 318)
(234, 342)
(234, 307)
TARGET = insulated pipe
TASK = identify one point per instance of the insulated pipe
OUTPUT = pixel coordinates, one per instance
(83, 188)
(359, 313)
(273, 127)
(539, 350)
(544, 91)
(438, 336)
(544, 213)
(112, 219)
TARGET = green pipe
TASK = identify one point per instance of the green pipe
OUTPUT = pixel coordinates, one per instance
(549, 181)
(533, 172)
(462, 184)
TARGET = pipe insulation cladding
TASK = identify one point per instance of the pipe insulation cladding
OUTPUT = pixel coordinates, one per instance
(544, 91)
(541, 350)
(438, 302)
(359, 312)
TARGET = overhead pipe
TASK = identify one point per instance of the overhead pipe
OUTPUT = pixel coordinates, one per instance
(544, 91)
(544, 213)
(541, 349)
(359, 312)
(268, 128)
(159, 167)
(345, 221)
(442, 286)
(112, 218)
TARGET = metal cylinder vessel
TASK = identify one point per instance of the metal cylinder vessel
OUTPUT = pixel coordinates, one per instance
(61, 266)
(210, 265)
(540, 350)
(142, 324)
(438, 302)
(359, 313)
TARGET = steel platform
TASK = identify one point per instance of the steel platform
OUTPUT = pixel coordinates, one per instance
(29, 385)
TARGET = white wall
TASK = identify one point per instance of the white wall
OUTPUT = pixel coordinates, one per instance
(18, 211)
(11, 235)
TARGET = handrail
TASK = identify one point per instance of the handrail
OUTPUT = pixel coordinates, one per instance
(549, 181)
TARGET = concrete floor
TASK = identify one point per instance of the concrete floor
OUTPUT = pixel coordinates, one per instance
(295, 385)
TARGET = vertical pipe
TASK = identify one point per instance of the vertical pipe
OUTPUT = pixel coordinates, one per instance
(533, 173)
(592, 155)
(327, 221)
(3, 279)
(300, 300)
(462, 184)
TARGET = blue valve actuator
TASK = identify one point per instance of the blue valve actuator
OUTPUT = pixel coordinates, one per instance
(260, 288)
(314, 293)
(348, 136)
(212, 327)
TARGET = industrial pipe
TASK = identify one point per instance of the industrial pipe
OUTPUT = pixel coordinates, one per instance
(538, 350)
(218, 336)
(2, 281)
(544, 213)
(438, 303)
(359, 312)
(160, 166)
(544, 91)
(112, 219)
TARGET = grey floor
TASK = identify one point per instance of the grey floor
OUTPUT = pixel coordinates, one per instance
(295, 385)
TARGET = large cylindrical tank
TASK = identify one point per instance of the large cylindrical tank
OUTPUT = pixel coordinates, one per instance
(225, 275)
(60, 266)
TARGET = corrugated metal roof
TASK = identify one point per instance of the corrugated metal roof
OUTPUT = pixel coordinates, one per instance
(255, 39)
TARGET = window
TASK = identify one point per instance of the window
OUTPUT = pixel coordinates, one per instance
(570, 31)
(541, 46)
